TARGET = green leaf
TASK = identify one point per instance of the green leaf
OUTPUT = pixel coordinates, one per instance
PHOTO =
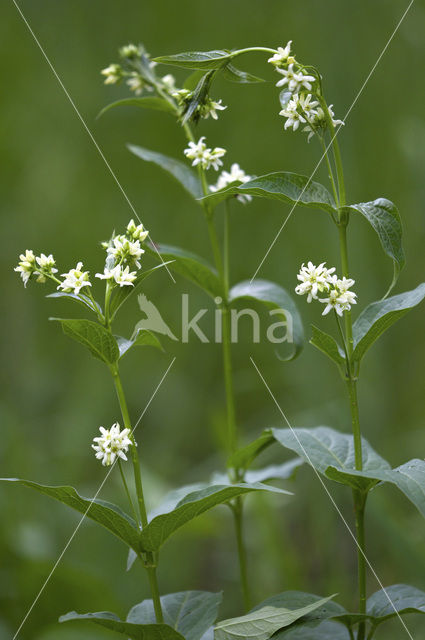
(409, 478)
(384, 217)
(284, 471)
(401, 597)
(197, 59)
(179, 170)
(326, 630)
(379, 316)
(329, 346)
(294, 600)
(108, 515)
(261, 624)
(192, 505)
(285, 186)
(98, 340)
(232, 73)
(82, 299)
(200, 93)
(122, 294)
(322, 448)
(273, 297)
(191, 613)
(193, 268)
(133, 631)
(149, 102)
(243, 457)
(143, 338)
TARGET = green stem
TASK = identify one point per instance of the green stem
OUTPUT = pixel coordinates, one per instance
(359, 507)
(330, 172)
(371, 633)
(238, 515)
(226, 269)
(342, 230)
(108, 292)
(124, 481)
(149, 563)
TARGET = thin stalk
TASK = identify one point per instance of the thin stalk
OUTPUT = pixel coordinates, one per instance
(149, 563)
(330, 172)
(226, 269)
(130, 500)
(238, 515)
(359, 507)
(342, 230)
(371, 633)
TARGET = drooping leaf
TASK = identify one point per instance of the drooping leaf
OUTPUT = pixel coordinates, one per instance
(162, 526)
(384, 217)
(143, 338)
(262, 623)
(326, 630)
(148, 102)
(232, 73)
(81, 299)
(275, 298)
(323, 447)
(197, 59)
(243, 457)
(285, 186)
(409, 478)
(193, 268)
(122, 294)
(98, 340)
(128, 629)
(329, 346)
(179, 170)
(105, 513)
(379, 316)
(191, 613)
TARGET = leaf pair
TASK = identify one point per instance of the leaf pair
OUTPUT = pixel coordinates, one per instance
(331, 453)
(188, 615)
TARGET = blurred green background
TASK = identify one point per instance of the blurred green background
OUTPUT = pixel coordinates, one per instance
(59, 197)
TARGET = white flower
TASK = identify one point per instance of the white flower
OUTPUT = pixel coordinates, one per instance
(112, 444)
(332, 115)
(123, 249)
(281, 56)
(45, 267)
(210, 108)
(75, 280)
(26, 266)
(130, 51)
(334, 302)
(169, 83)
(136, 83)
(199, 153)
(226, 178)
(137, 232)
(112, 74)
(295, 80)
(124, 277)
(291, 113)
(314, 280)
(340, 297)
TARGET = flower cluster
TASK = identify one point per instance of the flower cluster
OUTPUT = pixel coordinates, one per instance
(75, 280)
(200, 154)
(112, 444)
(41, 266)
(204, 109)
(124, 252)
(136, 69)
(321, 280)
(299, 96)
(226, 178)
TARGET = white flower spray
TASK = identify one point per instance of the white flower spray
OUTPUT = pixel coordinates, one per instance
(321, 280)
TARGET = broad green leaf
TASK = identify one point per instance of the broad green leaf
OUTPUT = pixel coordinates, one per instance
(82, 299)
(197, 59)
(409, 478)
(275, 298)
(262, 623)
(396, 599)
(128, 629)
(384, 217)
(243, 457)
(143, 338)
(232, 73)
(108, 515)
(192, 505)
(285, 186)
(379, 316)
(328, 345)
(98, 340)
(179, 170)
(193, 268)
(326, 630)
(122, 294)
(323, 447)
(208, 635)
(191, 613)
(149, 102)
